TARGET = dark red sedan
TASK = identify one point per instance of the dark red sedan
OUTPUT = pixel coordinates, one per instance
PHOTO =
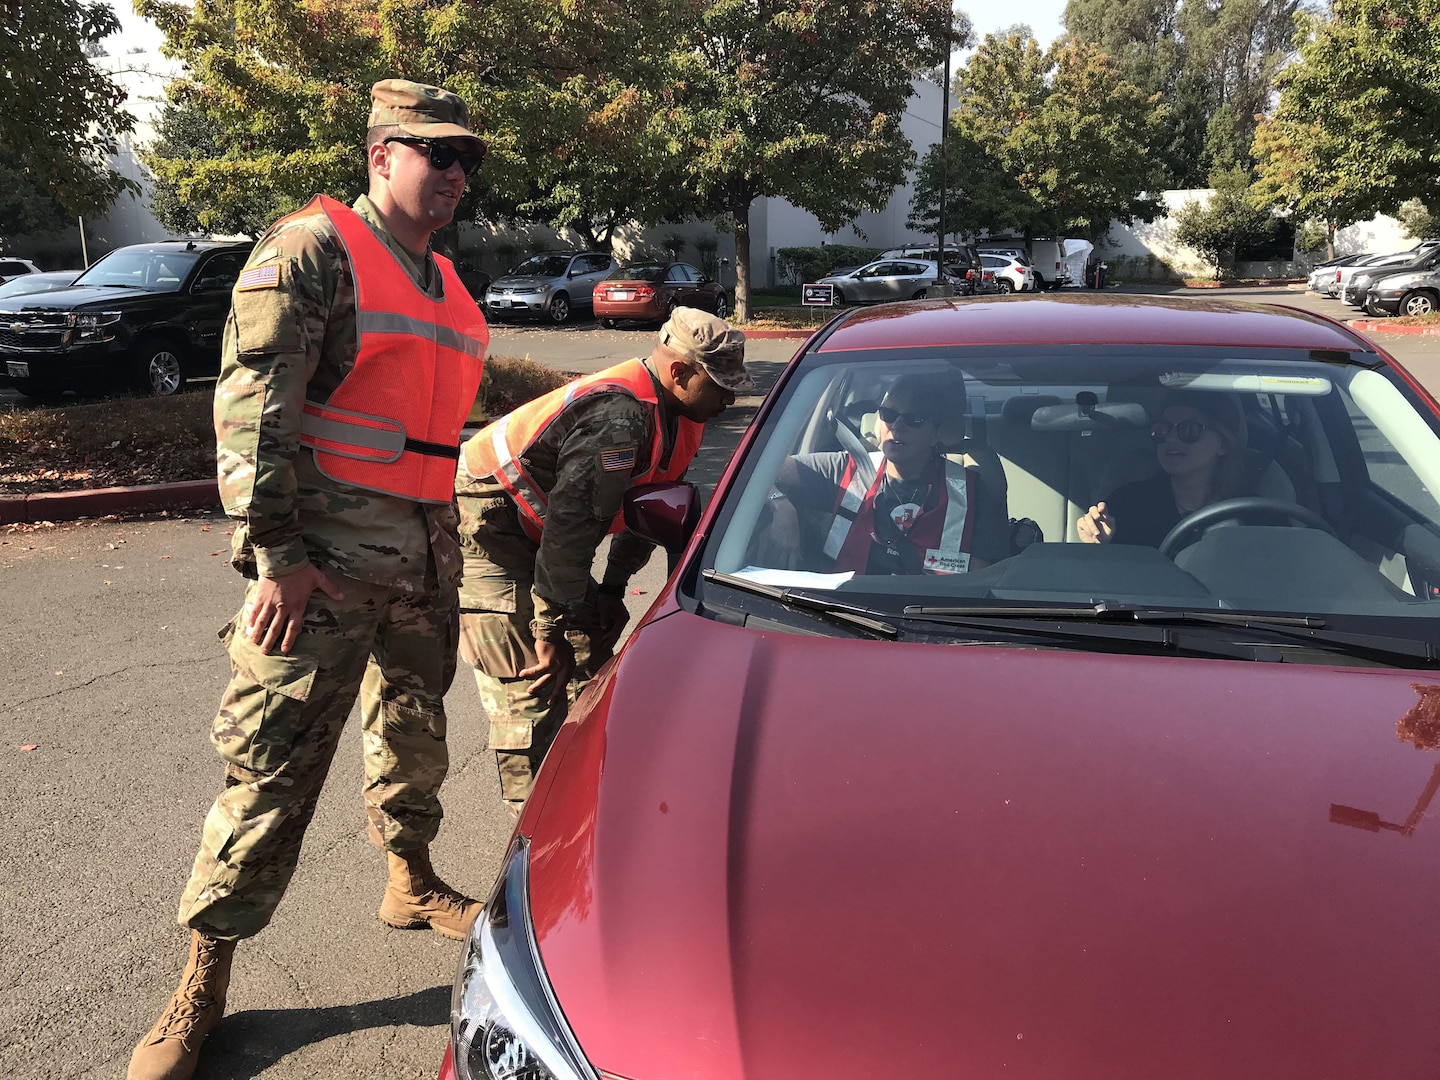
(650, 291)
(928, 764)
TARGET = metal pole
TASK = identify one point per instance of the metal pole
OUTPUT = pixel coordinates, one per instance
(944, 128)
(84, 252)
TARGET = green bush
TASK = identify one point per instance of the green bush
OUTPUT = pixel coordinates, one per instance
(801, 264)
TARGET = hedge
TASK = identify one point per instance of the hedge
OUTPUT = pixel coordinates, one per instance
(800, 264)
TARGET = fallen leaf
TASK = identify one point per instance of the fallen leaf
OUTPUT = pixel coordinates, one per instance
(59, 673)
(164, 556)
(637, 592)
(217, 552)
(109, 583)
(205, 528)
(28, 747)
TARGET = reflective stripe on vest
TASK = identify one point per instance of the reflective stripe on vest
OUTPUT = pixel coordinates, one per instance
(951, 553)
(393, 424)
(498, 450)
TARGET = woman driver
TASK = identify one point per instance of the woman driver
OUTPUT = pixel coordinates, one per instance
(1199, 441)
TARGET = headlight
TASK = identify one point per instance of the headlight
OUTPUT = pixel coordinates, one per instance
(90, 326)
(504, 1021)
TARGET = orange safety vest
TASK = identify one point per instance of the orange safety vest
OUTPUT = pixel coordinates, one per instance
(941, 536)
(393, 424)
(497, 450)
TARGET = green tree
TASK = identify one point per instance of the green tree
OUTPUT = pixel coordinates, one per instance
(799, 99)
(1229, 220)
(1418, 220)
(1072, 137)
(1358, 119)
(60, 115)
(979, 194)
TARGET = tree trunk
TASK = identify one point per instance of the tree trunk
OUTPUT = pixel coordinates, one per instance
(1330, 239)
(742, 263)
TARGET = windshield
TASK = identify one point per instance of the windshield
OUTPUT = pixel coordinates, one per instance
(157, 271)
(649, 272)
(1188, 479)
(545, 266)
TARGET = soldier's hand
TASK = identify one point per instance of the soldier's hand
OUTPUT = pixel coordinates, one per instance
(556, 665)
(613, 617)
(278, 612)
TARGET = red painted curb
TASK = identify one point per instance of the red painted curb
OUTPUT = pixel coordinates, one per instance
(798, 335)
(1372, 326)
(97, 502)
(1245, 283)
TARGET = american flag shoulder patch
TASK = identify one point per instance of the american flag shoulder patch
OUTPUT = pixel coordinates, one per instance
(616, 460)
(266, 276)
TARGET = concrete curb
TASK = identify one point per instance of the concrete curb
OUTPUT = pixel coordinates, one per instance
(97, 502)
(1375, 326)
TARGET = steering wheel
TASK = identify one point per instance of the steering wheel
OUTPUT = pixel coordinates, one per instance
(1184, 532)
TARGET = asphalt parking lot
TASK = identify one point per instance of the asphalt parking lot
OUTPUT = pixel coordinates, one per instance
(112, 675)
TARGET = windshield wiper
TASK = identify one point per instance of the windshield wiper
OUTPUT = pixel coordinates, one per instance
(1302, 629)
(844, 614)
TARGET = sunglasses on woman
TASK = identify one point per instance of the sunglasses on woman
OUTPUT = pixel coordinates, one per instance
(443, 155)
(1187, 431)
(890, 415)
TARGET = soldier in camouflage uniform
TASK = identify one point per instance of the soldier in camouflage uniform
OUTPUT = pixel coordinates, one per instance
(351, 589)
(533, 623)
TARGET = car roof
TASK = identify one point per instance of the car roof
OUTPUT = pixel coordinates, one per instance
(187, 245)
(1085, 319)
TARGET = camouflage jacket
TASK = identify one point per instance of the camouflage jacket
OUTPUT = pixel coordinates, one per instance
(289, 338)
(583, 499)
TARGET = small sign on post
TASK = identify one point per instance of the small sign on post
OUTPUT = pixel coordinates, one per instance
(817, 295)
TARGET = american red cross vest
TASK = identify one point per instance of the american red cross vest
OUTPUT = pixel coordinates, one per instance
(941, 536)
(498, 449)
(393, 424)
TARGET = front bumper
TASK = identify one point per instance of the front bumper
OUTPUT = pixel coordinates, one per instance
(1390, 305)
(63, 367)
(517, 304)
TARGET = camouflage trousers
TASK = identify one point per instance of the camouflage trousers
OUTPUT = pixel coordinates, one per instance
(498, 644)
(278, 726)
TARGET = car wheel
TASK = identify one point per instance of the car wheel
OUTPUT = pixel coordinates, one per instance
(43, 393)
(559, 309)
(1039, 281)
(158, 367)
(837, 298)
(1417, 303)
(722, 306)
(1374, 309)
(608, 324)
(1005, 286)
(920, 294)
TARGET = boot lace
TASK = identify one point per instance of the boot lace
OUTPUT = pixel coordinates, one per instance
(190, 1001)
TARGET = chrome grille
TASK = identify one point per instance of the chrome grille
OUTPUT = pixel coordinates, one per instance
(21, 331)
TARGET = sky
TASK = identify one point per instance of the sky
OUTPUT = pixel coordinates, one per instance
(1042, 16)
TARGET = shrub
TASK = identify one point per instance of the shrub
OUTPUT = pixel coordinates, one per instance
(801, 264)
(510, 382)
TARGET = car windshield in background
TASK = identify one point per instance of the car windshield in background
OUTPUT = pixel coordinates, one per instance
(546, 266)
(1316, 466)
(648, 272)
(156, 271)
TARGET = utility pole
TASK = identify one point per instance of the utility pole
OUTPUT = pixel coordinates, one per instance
(944, 159)
(84, 253)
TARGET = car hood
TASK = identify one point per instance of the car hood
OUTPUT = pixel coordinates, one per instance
(767, 854)
(520, 282)
(75, 296)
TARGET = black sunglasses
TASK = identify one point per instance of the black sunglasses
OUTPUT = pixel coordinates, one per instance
(1187, 431)
(443, 155)
(889, 415)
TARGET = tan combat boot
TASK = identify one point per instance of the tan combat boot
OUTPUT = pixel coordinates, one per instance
(416, 898)
(171, 1049)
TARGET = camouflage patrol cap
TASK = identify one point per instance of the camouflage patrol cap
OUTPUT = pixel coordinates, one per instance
(427, 112)
(710, 342)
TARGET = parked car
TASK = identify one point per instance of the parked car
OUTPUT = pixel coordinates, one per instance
(884, 279)
(13, 268)
(1345, 273)
(1013, 273)
(1355, 290)
(1324, 273)
(44, 281)
(959, 259)
(1413, 293)
(1046, 258)
(149, 316)
(650, 291)
(475, 280)
(553, 284)
(1091, 811)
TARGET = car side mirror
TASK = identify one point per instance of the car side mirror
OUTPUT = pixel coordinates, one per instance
(665, 513)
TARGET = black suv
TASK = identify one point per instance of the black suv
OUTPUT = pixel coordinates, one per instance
(148, 316)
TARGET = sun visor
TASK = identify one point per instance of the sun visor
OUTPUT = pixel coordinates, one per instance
(1303, 385)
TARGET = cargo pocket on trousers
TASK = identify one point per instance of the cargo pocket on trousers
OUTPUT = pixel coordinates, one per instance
(263, 712)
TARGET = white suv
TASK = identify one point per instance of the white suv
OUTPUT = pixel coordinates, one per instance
(10, 268)
(1012, 272)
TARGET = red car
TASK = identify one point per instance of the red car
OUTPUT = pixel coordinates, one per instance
(1152, 807)
(650, 291)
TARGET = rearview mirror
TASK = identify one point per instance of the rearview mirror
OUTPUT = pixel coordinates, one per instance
(664, 513)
